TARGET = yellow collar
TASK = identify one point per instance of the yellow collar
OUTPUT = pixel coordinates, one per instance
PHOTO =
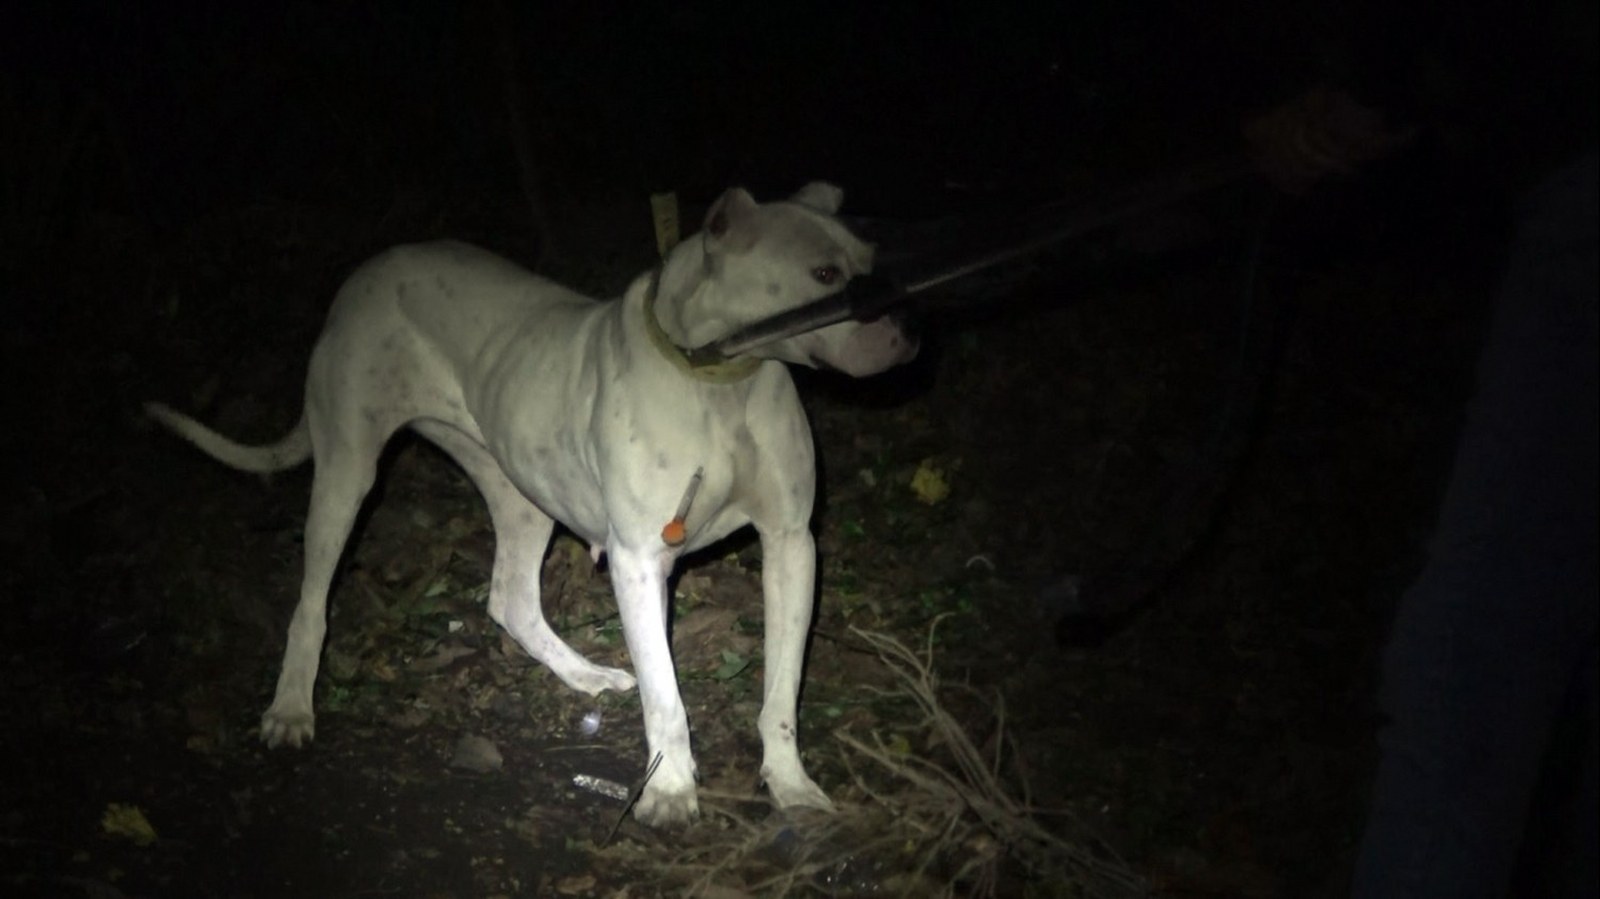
(736, 369)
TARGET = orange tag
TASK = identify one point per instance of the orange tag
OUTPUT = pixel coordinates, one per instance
(673, 534)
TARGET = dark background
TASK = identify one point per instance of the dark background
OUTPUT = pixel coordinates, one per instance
(185, 184)
(169, 110)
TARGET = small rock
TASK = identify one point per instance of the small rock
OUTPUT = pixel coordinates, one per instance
(478, 754)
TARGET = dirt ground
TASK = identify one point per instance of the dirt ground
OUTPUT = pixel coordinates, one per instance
(1220, 742)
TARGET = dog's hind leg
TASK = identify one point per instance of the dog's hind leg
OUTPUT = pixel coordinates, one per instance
(521, 533)
(345, 467)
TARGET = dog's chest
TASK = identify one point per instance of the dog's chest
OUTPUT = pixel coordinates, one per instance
(624, 468)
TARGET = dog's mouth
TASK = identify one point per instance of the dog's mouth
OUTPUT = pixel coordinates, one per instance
(867, 348)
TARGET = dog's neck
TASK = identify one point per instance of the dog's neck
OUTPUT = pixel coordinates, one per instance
(681, 280)
(671, 297)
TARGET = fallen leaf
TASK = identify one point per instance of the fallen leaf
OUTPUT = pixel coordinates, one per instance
(128, 822)
(732, 665)
(441, 658)
(929, 483)
(575, 885)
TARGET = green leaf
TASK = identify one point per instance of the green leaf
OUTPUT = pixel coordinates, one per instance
(732, 665)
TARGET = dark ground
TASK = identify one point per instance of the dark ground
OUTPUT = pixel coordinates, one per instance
(184, 196)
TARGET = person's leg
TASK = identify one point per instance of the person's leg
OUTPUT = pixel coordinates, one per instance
(1489, 639)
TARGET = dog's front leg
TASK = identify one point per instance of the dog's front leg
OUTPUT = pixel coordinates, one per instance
(640, 581)
(788, 579)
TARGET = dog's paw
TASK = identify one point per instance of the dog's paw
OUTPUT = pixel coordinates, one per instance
(796, 790)
(291, 728)
(667, 808)
(597, 679)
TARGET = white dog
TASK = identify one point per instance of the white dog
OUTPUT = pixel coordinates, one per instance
(565, 409)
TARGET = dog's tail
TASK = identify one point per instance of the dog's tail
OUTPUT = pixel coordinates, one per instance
(293, 449)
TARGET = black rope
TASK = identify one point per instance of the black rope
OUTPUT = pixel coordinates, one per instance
(1091, 609)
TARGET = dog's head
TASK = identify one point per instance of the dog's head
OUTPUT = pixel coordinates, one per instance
(764, 259)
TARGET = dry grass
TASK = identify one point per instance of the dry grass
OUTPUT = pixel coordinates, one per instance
(945, 826)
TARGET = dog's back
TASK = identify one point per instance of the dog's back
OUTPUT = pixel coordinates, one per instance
(416, 322)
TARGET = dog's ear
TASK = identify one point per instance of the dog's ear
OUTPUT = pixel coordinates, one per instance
(821, 196)
(728, 215)
(732, 207)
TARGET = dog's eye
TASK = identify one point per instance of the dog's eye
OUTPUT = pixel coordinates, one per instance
(826, 275)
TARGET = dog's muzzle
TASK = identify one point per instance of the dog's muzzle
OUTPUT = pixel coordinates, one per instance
(872, 346)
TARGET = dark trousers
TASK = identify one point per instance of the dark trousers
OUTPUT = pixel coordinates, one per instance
(1490, 678)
